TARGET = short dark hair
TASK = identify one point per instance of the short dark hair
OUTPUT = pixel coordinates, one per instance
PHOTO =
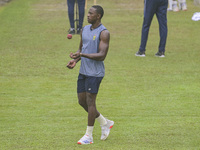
(99, 10)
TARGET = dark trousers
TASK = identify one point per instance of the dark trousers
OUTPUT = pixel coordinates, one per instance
(81, 10)
(158, 7)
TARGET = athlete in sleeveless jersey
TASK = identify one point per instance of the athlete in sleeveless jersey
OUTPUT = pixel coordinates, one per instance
(91, 39)
(92, 51)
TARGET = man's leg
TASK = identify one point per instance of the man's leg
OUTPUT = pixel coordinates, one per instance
(88, 101)
(82, 100)
(182, 5)
(92, 110)
(82, 97)
(175, 6)
(162, 19)
(70, 4)
(81, 8)
(170, 5)
(149, 10)
(83, 103)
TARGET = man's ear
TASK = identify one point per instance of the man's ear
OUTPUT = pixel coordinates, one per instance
(98, 16)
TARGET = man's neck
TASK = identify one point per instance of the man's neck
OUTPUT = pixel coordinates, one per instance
(95, 25)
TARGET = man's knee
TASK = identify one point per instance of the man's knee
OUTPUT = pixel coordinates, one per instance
(81, 102)
(91, 98)
(82, 99)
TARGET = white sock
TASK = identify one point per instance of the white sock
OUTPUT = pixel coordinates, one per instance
(101, 120)
(89, 130)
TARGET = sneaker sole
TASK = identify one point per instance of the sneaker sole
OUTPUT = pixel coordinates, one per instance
(140, 55)
(160, 56)
(84, 143)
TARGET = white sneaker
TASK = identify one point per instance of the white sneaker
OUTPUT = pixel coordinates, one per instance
(184, 7)
(175, 7)
(169, 9)
(105, 130)
(86, 139)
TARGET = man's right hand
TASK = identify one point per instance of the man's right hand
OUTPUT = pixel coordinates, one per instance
(71, 64)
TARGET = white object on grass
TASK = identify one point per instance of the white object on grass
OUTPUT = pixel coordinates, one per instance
(196, 16)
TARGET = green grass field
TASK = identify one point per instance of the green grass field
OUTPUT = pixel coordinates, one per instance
(155, 102)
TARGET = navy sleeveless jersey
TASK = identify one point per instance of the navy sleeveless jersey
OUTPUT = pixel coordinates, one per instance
(90, 44)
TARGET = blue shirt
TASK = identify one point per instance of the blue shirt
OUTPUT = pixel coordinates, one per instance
(90, 44)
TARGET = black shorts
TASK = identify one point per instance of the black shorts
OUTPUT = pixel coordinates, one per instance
(88, 84)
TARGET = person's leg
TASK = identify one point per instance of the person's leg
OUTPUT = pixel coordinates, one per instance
(175, 6)
(149, 10)
(83, 103)
(105, 124)
(93, 113)
(81, 8)
(88, 102)
(92, 110)
(170, 5)
(70, 4)
(81, 91)
(87, 138)
(82, 100)
(162, 19)
(182, 5)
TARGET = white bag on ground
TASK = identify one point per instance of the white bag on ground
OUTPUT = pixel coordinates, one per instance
(196, 16)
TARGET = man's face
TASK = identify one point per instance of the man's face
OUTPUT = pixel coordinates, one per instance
(92, 15)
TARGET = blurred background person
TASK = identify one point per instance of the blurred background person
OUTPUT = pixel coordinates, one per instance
(176, 5)
(81, 13)
(151, 8)
(182, 5)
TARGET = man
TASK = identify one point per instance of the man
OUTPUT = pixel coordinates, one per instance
(92, 51)
(151, 7)
(81, 11)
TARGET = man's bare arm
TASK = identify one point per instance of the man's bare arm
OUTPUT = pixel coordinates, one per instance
(103, 47)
